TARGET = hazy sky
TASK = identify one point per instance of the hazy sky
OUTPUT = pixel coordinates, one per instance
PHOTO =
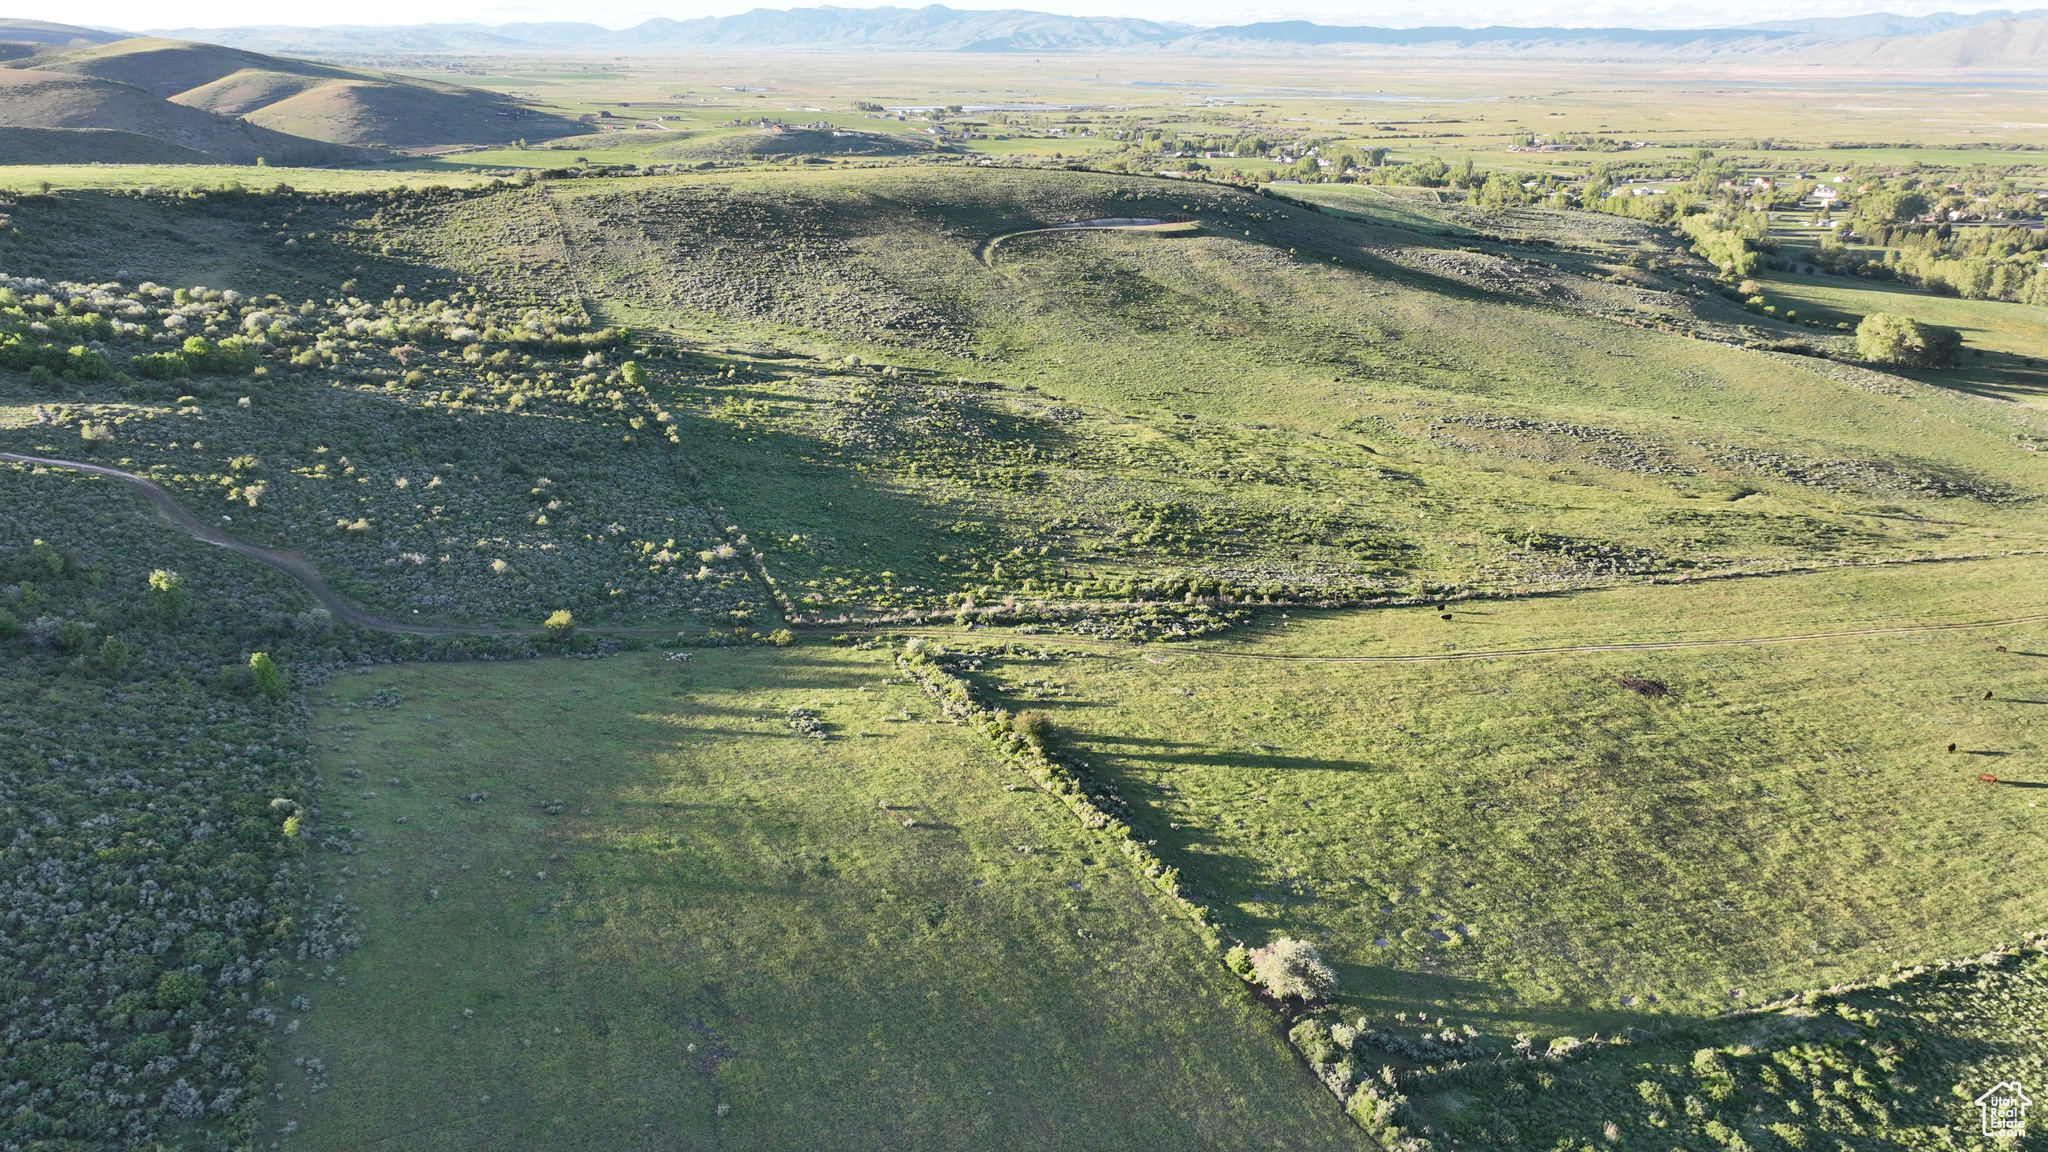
(135, 14)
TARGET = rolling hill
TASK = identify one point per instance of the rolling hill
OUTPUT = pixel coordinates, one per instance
(791, 143)
(1995, 44)
(34, 98)
(89, 145)
(298, 98)
(43, 32)
(1582, 670)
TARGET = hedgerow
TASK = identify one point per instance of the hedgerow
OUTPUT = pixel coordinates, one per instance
(1093, 802)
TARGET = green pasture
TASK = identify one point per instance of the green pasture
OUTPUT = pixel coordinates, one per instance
(1522, 842)
(2005, 345)
(675, 922)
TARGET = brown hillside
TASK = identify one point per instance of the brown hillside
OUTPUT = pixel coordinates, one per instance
(89, 145)
(316, 101)
(165, 68)
(241, 93)
(368, 110)
(30, 98)
(2007, 44)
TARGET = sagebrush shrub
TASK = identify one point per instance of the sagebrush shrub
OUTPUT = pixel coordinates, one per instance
(1292, 969)
(1034, 726)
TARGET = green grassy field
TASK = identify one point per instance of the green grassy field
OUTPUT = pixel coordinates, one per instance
(678, 923)
(1521, 842)
(2005, 344)
(1346, 374)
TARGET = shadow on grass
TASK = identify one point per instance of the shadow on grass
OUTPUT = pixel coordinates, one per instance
(1163, 751)
(1992, 375)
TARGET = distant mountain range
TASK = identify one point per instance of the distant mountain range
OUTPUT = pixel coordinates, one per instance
(64, 35)
(931, 29)
(1886, 24)
(1993, 39)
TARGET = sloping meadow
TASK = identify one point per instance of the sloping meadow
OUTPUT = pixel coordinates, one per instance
(1503, 855)
(836, 372)
(1285, 404)
(764, 898)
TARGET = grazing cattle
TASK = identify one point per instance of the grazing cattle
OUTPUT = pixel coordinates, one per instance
(1987, 695)
(1447, 615)
(2001, 647)
(1987, 778)
(1951, 747)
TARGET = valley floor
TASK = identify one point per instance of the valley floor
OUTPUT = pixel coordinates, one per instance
(625, 904)
(639, 876)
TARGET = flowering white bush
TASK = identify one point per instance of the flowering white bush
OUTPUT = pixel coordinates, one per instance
(1292, 969)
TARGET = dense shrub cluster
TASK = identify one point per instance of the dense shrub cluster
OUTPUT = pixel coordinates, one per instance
(150, 899)
(55, 339)
(1887, 1065)
(157, 807)
(1285, 969)
(1883, 338)
(439, 486)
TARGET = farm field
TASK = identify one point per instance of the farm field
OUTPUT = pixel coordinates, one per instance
(677, 922)
(1415, 108)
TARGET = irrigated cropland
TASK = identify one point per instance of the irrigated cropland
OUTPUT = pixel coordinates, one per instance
(672, 606)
